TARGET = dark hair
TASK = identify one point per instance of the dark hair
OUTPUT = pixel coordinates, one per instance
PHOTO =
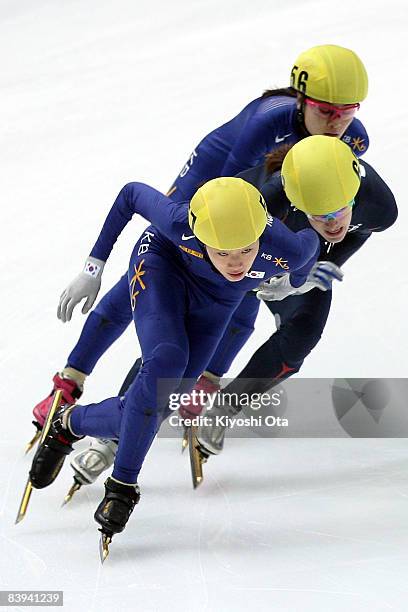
(274, 159)
(282, 91)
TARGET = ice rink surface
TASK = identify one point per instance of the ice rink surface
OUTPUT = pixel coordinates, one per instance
(277, 525)
(97, 94)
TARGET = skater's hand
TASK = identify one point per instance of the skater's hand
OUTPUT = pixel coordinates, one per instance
(275, 289)
(321, 276)
(85, 285)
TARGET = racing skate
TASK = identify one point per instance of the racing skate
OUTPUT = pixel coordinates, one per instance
(198, 456)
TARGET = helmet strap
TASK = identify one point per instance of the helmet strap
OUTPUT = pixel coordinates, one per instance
(207, 258)
(300, 117)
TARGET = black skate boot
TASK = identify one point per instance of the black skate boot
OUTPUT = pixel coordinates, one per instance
(116, 507)
(114, 511)
(50, 455)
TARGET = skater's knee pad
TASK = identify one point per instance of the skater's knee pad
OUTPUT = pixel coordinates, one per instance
(160, 374)
(271, 364)
(299, 336)
(235, 337)
(168, 360)
(131, 375)
(243, 319)
(119, 314)
(98, 334)
(241, 327)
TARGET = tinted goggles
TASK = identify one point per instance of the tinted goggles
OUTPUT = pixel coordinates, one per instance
(337, 214)
(345, 111)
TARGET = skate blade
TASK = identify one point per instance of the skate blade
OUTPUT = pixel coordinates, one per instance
(104, 542)
(33, 442)
(197, 457)
(54, 407)
(75, 487)
(184, 442)
(29, 487)
(24, 502)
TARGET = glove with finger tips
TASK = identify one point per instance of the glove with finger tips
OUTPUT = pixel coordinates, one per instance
(276, 289)
(323, 273)
(85, 285)
(321, 276)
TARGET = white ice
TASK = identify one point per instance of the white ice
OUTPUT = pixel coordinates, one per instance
(93, 95)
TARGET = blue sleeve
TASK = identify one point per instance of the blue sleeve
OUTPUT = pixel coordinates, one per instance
(293, 252)
(308, 254)
(249, 146)
(135, 198)
(269, 122)
(356, 137)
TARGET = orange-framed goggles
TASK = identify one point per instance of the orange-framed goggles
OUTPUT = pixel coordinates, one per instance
(345, 111)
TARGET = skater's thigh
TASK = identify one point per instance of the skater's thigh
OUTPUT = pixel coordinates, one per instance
(115, 304)
(158, 300)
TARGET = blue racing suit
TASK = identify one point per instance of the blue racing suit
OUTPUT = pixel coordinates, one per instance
(181, 306)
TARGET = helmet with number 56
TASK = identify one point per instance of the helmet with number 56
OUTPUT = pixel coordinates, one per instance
(330, 73)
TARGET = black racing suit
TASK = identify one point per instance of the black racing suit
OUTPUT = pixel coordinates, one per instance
(301, 319)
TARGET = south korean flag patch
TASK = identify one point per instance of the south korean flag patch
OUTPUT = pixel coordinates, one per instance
(255, 274)
(92, 269)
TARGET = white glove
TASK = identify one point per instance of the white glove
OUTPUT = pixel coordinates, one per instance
(321, 276)
(85, 285)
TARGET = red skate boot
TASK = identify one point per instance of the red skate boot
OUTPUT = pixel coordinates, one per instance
(203, 388)
(70, 393)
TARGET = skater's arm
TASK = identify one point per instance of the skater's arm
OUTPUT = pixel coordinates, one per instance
(248, 149)
(375, 211)
(356, 137)
(308, 254)
(134, 198)
(293, 252)
(306, 273)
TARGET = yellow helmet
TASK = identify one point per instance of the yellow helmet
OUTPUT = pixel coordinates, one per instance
(227, 213)
(320, 174)
(330, 73)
